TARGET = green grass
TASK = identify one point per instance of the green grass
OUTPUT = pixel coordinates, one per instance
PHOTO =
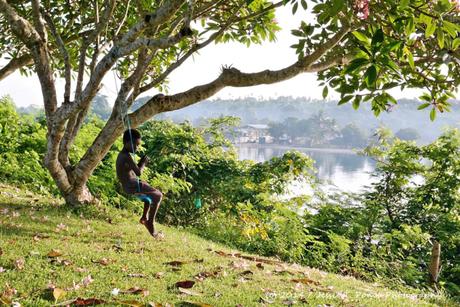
(29, 231)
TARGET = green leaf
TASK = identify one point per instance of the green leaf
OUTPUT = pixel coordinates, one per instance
(370, 76)
(304, 4)
(356, 102)
(450, 28)
(345, 99)
(455, 43)
(423, 106)
(425, 97)
(410, 58)
(410, 26)
(404, 4)
(433, 114)
(337, 6)
(294, 8)
(355, 64)
(440, 36)
(430, 29)
(361, 37)
(325, 92)
(378, 37)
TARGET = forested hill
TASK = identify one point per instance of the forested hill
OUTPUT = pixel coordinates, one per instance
(253, 111)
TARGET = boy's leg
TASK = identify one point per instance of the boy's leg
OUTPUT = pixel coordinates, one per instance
(144, 214)
(156, 197)
(156, 200)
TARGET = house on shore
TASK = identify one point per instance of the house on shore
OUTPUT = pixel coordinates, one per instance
(254, 133)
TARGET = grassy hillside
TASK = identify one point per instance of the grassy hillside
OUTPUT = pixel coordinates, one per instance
(50, 255)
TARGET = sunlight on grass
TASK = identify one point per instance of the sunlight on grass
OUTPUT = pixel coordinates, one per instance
(51, 255)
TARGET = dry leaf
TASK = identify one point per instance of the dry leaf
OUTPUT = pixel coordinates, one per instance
(159, 275)
(136, 290)
(306, 281)
(58, 293)
(185, 284)
(103, 261)
(188, 292)
(88, 302)
(19, 264)
(54, 253)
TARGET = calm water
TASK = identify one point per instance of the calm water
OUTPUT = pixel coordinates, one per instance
(344, 169)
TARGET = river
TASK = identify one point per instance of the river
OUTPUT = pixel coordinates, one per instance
(344, 169)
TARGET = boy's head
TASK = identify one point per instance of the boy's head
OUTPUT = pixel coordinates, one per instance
(131, 138)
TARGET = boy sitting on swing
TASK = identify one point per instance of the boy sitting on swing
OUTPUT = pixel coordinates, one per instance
(128, 172)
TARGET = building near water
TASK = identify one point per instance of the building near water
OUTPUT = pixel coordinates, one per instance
(254, 133)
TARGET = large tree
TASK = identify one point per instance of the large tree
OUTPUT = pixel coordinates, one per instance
(361, 48)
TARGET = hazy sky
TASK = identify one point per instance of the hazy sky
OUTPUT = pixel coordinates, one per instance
(205, 67)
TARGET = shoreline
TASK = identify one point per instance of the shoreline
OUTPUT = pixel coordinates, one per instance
(317, 149)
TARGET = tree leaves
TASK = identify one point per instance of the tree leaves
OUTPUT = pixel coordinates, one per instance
(370, 76)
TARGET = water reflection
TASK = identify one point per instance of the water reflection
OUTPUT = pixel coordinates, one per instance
(345, 169)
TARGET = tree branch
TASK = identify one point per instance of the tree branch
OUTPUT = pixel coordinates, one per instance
(15, 64)
(65, 55)
(235, 78)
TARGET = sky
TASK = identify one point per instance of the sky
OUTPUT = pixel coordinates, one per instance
(205, 67)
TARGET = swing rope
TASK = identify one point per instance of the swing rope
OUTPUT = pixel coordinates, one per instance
(126, 122)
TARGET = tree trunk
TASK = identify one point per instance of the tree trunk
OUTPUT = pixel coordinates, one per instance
(435, 263)
(79, 195)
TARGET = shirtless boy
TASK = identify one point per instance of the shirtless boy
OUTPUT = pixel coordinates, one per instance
(128, 172)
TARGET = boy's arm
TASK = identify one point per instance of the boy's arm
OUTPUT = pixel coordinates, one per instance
(137, 169)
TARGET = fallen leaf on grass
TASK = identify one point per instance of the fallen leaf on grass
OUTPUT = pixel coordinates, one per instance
(306, 281)
(159, 275)
(189, 292)
(136, 290)
(58, 293)
(81, 270)
(60, 227)
(104, 261)
(54, 253)
(82, 302)
(19, 264)
(38, 236)
(239, 265)
(185, 284)
(2, 269)
(84, 283)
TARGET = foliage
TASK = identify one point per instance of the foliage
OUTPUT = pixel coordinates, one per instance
(389, 231)
(191, 163)
(22, 146)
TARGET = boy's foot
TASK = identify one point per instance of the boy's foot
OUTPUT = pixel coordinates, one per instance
(146, 224)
